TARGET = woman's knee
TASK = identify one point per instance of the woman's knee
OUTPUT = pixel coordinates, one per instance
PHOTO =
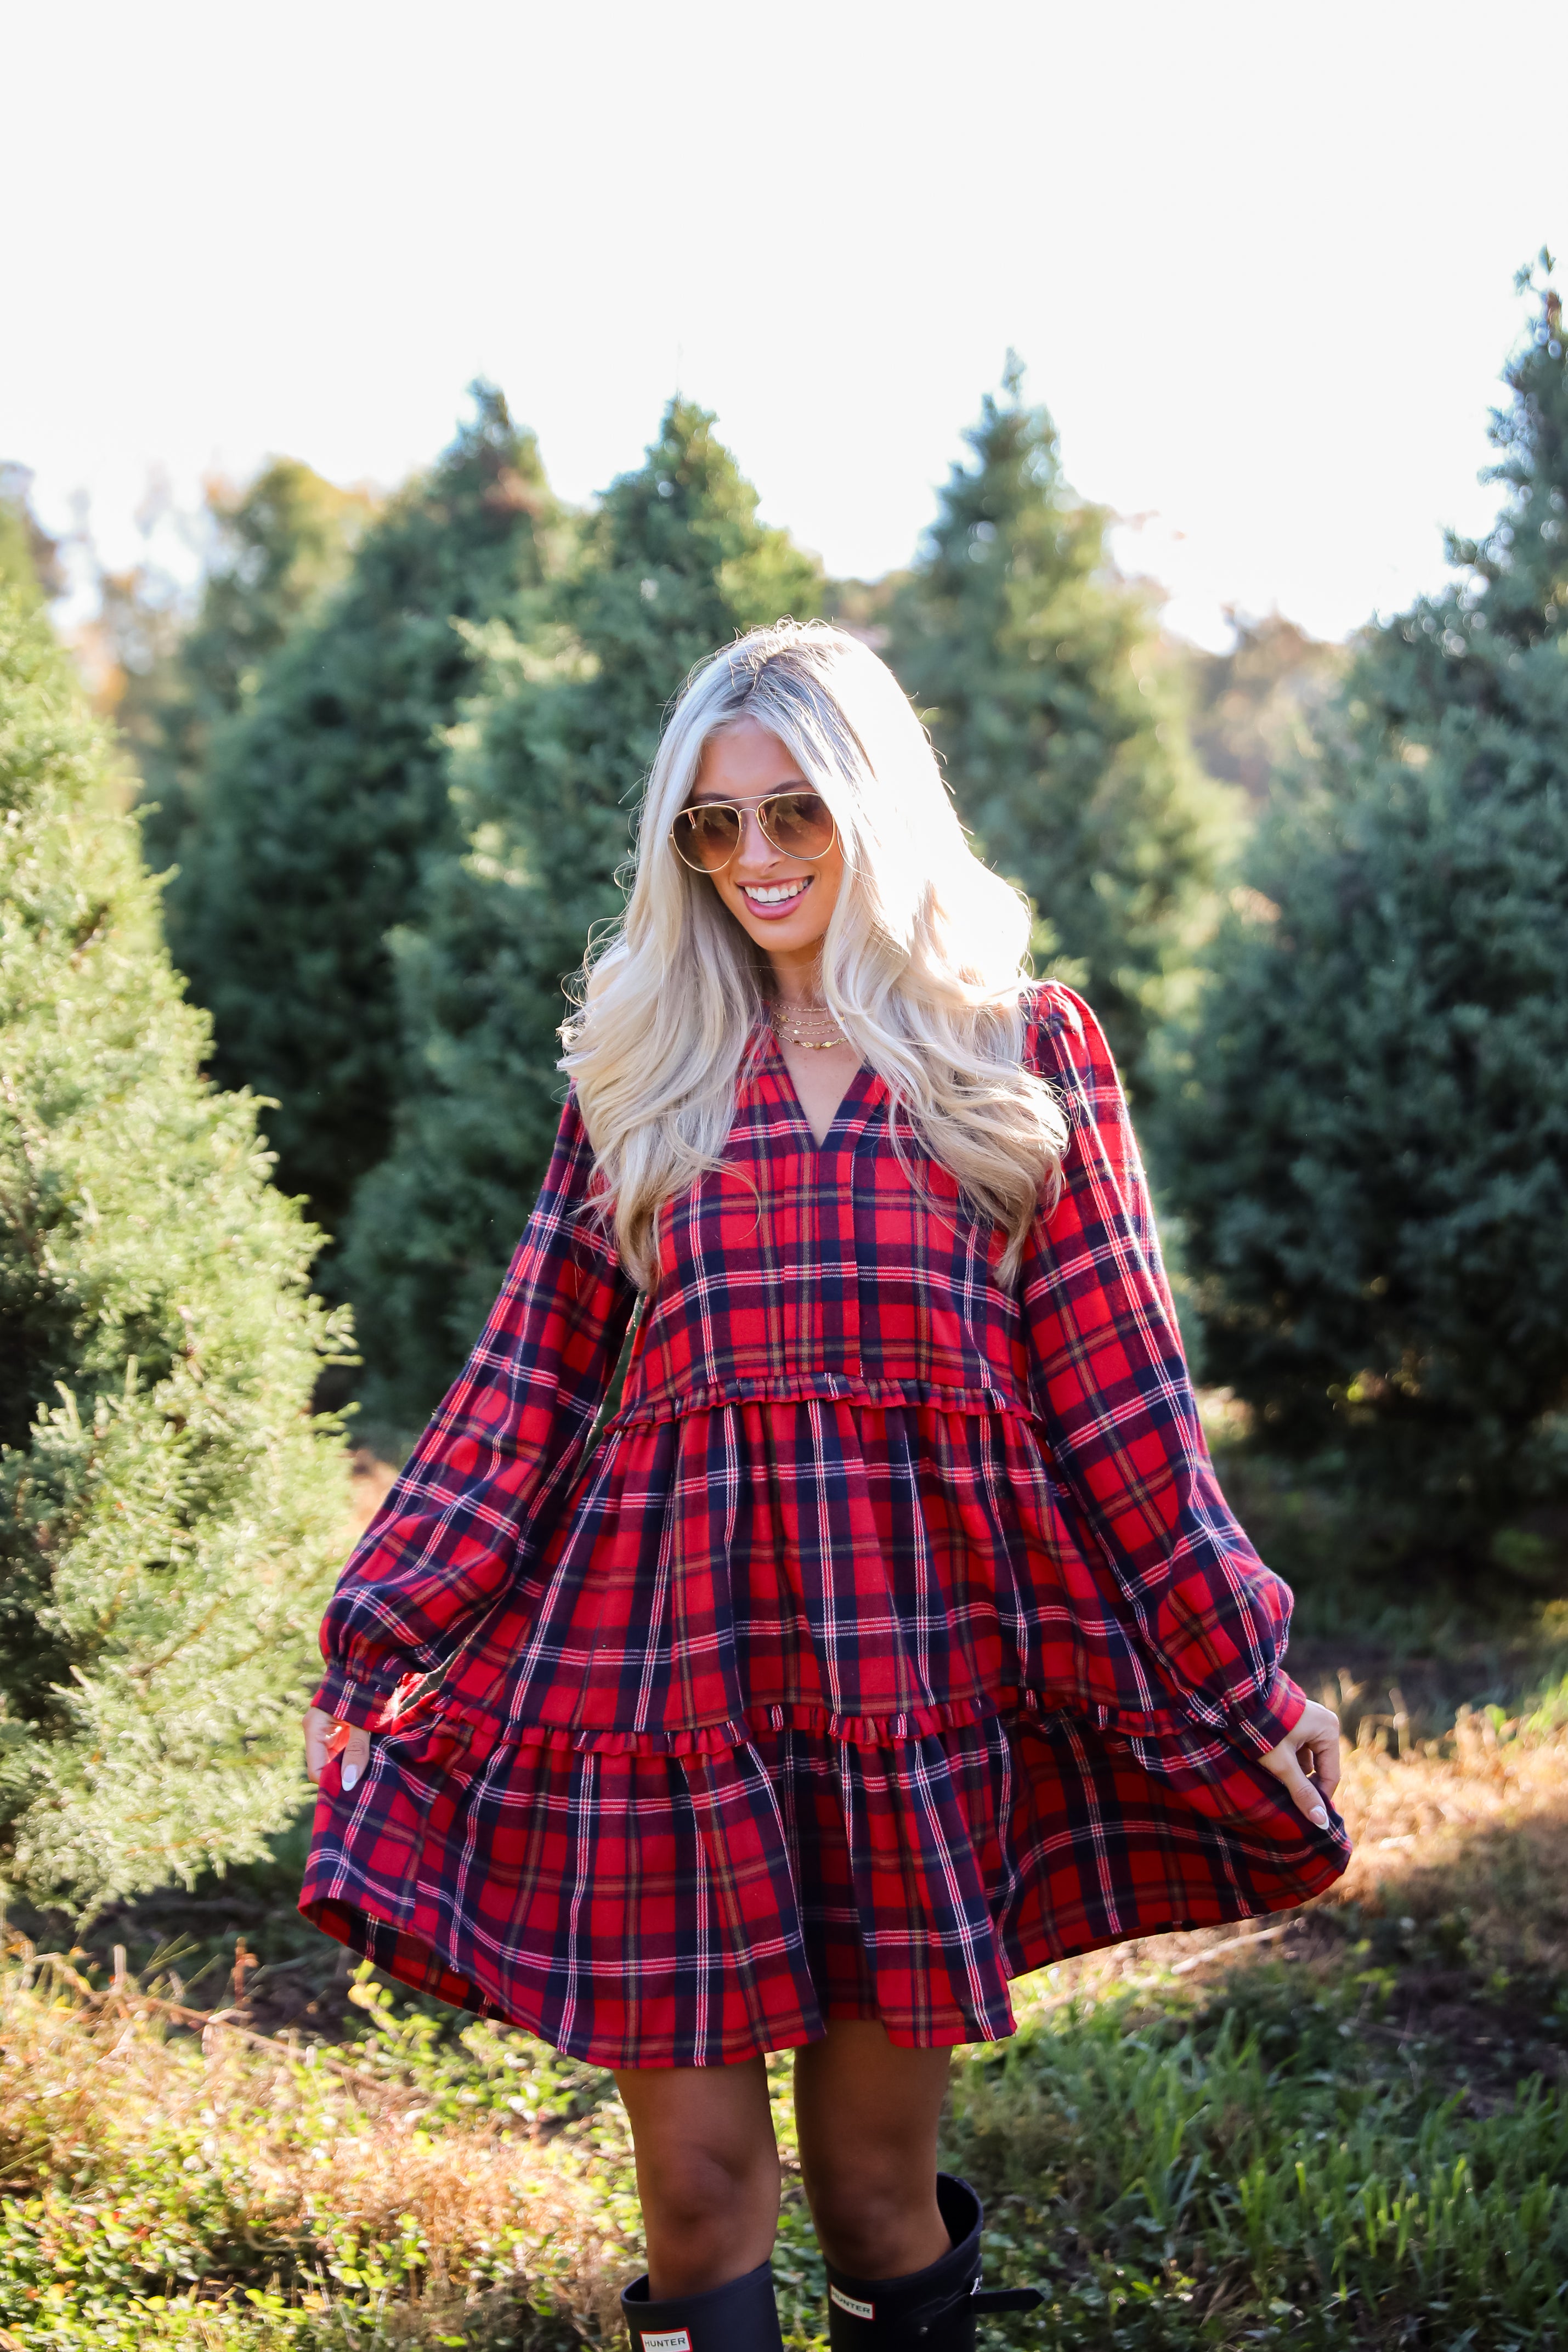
(707, 2172)
(691, 2187)
(876, 2213)
(868, 2114)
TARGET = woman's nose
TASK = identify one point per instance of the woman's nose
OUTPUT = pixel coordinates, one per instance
(755, 849)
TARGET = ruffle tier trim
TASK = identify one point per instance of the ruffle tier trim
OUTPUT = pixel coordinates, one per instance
(765, 1722)
(483, 1733)
(641, 1410)
(421, 1706)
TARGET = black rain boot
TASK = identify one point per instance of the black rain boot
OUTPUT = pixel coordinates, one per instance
(739, 2317)
(931, 2310)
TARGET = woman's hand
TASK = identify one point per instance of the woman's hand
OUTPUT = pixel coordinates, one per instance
(1315, 1738)
(324, 1735)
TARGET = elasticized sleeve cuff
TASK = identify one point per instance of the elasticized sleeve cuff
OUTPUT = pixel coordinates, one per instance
(1269, 1719)
(359, 1702)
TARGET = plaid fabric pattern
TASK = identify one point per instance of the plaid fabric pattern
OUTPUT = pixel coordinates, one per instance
(642, 1909)
(895, 1636)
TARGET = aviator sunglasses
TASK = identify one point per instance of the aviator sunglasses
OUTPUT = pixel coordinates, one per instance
(797, 824)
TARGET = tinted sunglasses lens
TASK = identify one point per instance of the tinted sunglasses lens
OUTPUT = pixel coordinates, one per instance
(798, 824)
(707, 837)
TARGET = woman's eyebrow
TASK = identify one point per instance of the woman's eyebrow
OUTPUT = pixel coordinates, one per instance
(750, 799)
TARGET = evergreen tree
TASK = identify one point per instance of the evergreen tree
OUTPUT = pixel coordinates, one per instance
(278, 548)
(1058, 717)
(546, 794)
(1374, 1129)
(323, 804)
(169, 1512)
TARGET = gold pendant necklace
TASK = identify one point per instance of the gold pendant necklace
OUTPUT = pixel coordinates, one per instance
(794, 1026)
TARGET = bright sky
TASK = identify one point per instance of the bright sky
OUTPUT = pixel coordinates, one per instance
(1258, 259)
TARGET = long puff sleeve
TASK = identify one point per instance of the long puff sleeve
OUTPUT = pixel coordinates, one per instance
(1115, 1400)
(501, 1451)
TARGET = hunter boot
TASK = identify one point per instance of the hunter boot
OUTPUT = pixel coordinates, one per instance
(739, 2317)
(931, 2310)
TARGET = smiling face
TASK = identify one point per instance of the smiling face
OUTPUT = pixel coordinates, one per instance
(782, 902)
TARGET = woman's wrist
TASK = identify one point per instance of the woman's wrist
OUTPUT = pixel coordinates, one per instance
(1268, 1720)
(351, 1699)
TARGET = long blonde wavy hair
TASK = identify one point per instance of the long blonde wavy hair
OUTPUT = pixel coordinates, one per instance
(922, 962)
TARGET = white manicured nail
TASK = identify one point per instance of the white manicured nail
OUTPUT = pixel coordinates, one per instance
(1319, 1815)
(350, 1774)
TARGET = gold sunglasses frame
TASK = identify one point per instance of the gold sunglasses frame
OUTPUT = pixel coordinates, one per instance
(738, 809)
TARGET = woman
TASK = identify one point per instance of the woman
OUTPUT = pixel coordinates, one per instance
(894, 1638)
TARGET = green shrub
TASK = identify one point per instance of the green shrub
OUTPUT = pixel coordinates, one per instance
(169, 1512)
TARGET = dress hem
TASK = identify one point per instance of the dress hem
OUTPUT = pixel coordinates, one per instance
(339, 1918)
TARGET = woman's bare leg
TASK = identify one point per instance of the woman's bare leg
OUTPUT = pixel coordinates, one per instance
(867, 2115)
(707, 2172)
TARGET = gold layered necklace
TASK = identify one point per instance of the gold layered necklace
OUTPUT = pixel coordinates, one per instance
(810, 1027)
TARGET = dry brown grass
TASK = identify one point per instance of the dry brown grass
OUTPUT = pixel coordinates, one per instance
(1473, 1827)
(302, 2152)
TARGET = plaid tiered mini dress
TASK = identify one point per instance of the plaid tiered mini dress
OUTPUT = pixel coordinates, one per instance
(894, 1638)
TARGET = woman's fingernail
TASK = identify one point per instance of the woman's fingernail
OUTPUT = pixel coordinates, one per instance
(1319, 1815)
(351, 1773)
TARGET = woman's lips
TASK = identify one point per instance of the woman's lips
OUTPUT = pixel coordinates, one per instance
(771, 909)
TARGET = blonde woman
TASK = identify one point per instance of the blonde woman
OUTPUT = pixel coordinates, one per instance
(894, 1638)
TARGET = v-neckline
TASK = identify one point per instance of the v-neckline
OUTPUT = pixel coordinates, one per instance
(793, 1097)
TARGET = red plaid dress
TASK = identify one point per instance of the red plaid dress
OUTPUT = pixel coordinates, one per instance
(893, 1638)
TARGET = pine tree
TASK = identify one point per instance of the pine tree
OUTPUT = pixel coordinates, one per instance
(1058, 718)
(678, 565)
(322, 807)
(169, 1511)
(1374, 1130)
(279, 547)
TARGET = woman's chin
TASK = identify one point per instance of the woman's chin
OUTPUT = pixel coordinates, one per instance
(792, 936)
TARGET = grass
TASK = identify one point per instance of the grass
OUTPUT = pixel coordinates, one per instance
(214, 2188)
